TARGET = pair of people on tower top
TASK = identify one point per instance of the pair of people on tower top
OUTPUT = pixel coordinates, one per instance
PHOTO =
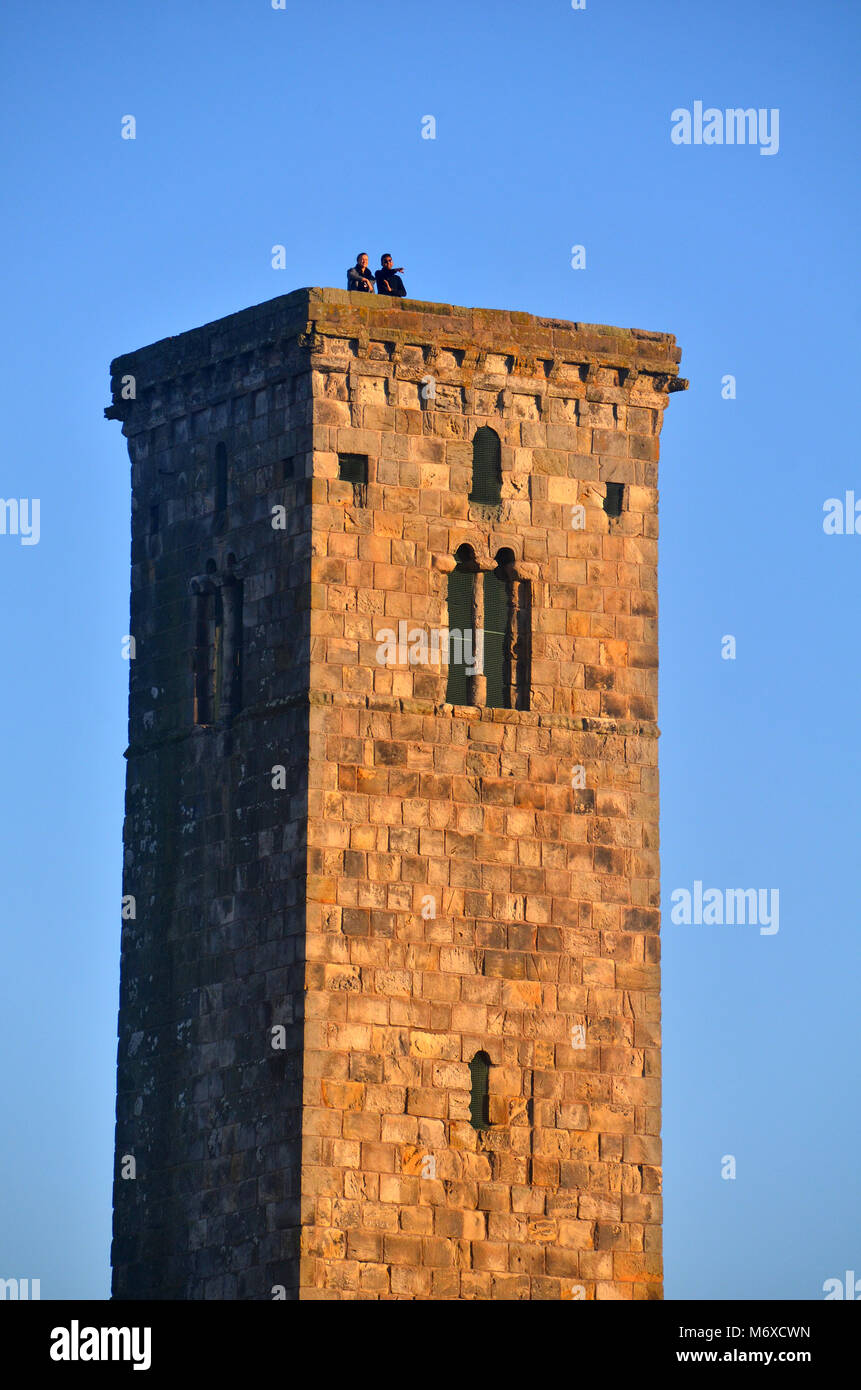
(388, 277)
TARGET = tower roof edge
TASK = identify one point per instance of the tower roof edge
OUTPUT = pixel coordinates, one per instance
(330, 312)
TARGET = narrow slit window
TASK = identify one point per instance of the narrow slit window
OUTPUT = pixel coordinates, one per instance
(613, 500)
(486, 467)
(479, 1091)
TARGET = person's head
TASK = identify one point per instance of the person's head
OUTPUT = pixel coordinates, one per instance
(362, 260)
(386, 261)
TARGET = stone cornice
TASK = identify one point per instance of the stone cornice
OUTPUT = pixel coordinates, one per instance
(472, 714)
(260, 346)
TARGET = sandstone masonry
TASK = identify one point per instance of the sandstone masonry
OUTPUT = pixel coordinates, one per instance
(347, 889)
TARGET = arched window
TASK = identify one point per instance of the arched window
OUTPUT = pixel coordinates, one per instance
(220, 480)
(461, 635)
(209, 627)
(507, 635)
(231, 600)
(479, 1091)
(218, 636)
(522, 644)
(497, 638)
(486, 467)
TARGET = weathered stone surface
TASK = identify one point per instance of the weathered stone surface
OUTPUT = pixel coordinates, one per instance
(295, 1024)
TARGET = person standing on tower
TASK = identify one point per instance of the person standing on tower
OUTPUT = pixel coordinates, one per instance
(388, 279)
(359, 277)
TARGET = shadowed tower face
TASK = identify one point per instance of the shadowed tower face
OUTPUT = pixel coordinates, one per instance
(389, 1016)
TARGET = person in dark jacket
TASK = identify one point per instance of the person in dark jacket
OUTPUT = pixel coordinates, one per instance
(388, 279)
(359, 277)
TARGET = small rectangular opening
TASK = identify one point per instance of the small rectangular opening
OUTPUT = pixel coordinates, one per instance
(353, 468)
(613, 500)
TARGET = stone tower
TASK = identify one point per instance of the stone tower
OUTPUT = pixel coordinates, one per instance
(389, 1015)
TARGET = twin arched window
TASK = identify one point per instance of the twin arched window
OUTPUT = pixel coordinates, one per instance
(489, 633)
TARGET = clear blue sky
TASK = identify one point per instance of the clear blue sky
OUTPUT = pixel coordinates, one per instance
(302, 127)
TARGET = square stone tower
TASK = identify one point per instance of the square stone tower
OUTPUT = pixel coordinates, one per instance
(389, 1015)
